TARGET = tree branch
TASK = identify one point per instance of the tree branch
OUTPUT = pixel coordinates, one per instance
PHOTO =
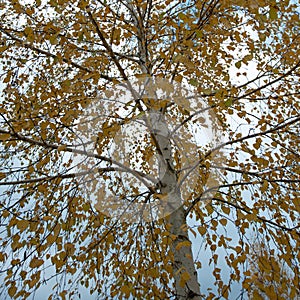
(61, 176)
(49, 54)
(66, 148)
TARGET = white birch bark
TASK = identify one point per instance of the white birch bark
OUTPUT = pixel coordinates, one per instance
(183, 258)
(183, 264)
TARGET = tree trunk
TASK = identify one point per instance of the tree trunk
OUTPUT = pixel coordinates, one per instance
(184, 272)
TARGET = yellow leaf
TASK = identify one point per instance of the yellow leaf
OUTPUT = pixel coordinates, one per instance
(110, 239)
(207, 92)
(183, 244)
(3, 256)
(226, 210)
(12, 291)
(183, 16)
(184, 278)
(2, 175)
(238, 64)
(86, 206)
(264, 186)
(194, 82)
(35, 263)
(125, 290)
(5, 214)
(53, 40)
(62, 147)
(14, 262)
(29, 34)
(251, 217)
(160, 196)
(22, 225)
(214, 223)
(42, 188)
(257, 296)
(23, 274)
(63, 295)
(70, 248)
(29, 11)
(153, 272)
(4, 136)
(228, 102)
(117, 34)
(273, 13)
(256, 145)
(223, 222)
(3, 48)
(28, 31)
(238, 249)
(202, 230)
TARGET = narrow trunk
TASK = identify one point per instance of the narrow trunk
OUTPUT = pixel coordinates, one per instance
(184, 272)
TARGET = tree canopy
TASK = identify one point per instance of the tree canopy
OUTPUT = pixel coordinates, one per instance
(103, 110)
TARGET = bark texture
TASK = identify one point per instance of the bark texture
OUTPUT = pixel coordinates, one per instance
(184, 271)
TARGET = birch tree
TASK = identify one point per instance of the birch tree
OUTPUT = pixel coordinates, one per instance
(106, 185)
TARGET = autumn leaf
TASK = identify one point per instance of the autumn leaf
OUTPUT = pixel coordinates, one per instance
(125, 290)
(238, 64)
(273, 13)
(183, 244)
(4, 136)
(184, 278)
(22, 225)
(12, 291)
(202, 230)
(35, 263)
